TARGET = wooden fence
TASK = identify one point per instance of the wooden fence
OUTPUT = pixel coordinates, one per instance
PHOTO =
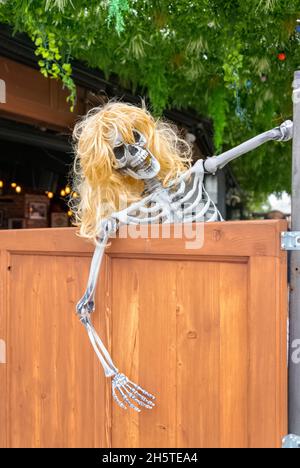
(205, 330)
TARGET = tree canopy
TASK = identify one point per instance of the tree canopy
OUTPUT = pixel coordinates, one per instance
(231, 60)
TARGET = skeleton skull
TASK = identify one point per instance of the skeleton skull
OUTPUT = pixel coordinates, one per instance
(135, 159)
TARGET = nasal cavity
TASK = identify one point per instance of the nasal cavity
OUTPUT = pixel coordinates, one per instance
(133, 150)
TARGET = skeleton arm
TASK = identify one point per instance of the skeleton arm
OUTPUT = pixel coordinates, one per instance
(282, 133)
(127, 389)
(86, 305)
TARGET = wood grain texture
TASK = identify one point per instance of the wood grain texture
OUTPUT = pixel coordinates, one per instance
(234, 356)
(233, 239)
(55, 400)
(268, 352)
(204, 330)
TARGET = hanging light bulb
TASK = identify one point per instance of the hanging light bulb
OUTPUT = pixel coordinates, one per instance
(67, 190)
(50, 195)
(75, 195)
(1, 184)
(18, 189)
(13, 184)
(63, 193)
(70, 213)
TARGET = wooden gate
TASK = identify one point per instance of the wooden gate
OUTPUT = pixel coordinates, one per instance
(205, 330)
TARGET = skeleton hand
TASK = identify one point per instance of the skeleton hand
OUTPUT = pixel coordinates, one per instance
(131, 390)
(291, 441)
(120, 382)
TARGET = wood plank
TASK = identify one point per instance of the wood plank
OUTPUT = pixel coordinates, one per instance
(231, 239)
(56, 400)
(198, 355)
(281, 355)
(143, 342)
(234, 355)
(125, 346)
(158, 350)
(267, 382)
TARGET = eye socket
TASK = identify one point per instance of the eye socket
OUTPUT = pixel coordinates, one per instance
(139, 138)
(119, 152)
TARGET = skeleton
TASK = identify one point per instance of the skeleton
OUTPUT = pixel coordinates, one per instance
(184, 200)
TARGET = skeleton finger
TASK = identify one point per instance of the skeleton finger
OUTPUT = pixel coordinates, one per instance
(126, 399)
(148, 405)
(135, 389)
(138, 395)
(119, 402)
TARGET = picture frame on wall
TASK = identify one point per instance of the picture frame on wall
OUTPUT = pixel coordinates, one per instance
(38, 211)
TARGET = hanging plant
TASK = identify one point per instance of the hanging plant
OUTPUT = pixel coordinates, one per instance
(51, 63)
(116, 12)
(217, 110)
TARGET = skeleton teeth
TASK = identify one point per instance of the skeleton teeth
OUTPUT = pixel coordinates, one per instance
(146, 169)
(140, 160)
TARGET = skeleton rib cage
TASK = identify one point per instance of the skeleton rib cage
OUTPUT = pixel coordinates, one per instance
(185, 200)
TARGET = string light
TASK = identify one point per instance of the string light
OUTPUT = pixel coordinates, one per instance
(66, 191)
(70, 213)
(1, 183)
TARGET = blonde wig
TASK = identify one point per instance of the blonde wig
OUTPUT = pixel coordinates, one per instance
(101, 188)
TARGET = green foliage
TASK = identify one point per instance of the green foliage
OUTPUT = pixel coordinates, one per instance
(56, 3)
(51, 64)
(217, 110)
(219, 57)
(116, 12)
